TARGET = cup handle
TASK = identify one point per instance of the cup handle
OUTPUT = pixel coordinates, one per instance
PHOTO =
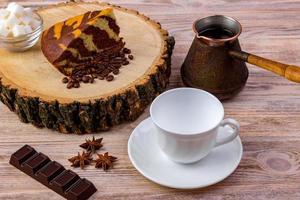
(235, 129)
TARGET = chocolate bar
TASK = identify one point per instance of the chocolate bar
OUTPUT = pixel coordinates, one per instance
(52, 174)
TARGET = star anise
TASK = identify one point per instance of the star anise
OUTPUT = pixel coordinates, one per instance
(81, 160)
(92, 145)
(105, 161)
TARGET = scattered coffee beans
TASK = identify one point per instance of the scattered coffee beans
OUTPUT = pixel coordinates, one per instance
(116, 71)
(91, 80)
(110, 78)
(65, 80)
(130, 57)
(125, 62)
(70, 85)
(76, 85)
(126, 51)
(101, 67)
(85, 79)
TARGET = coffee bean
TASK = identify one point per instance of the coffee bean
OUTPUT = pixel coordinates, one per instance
(85, 79)
(130, 57)
(117, 65)
(126, 50)
(105, 72)
(76, 85)
(126, 62)
(117, 58)
(122, 54)
(91, 80)
(116, 61)
(70, 85)
(111, 68)
(110, 78)
(65, 80)
(116, 71)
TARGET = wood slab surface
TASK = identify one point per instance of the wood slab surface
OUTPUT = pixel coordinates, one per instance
(268, 110)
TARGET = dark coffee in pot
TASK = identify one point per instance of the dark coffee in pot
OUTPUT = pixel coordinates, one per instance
(216, 32)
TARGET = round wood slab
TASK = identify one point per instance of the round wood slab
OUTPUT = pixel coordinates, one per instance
(32, 88)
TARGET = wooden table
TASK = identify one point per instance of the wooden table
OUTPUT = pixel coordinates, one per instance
(268, 110)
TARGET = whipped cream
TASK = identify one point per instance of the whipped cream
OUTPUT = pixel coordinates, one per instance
(15, 20)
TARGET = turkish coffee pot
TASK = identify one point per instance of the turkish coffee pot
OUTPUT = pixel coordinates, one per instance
(215, 62)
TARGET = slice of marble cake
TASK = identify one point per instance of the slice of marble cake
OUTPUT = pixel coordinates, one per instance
(72, 44)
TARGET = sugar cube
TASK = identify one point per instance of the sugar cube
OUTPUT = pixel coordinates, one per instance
(25, 20)
(11, 5)
(28, 11)
(12, 20)
(4, 31)
(16, 9)
(18, 30)
(4, 14)
(27, 29)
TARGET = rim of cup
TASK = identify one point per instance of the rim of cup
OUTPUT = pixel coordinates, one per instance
(190, 133)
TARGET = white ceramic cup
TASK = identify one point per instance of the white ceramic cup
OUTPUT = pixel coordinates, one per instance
(187, 123)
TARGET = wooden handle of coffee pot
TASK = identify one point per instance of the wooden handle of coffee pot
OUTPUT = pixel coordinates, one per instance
(290, 72)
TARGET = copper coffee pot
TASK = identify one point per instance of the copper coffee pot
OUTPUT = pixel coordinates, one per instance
(216, 63)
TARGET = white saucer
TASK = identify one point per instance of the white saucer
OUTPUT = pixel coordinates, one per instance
(151, 162)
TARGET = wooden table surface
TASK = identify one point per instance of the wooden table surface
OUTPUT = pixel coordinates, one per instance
(268, 110)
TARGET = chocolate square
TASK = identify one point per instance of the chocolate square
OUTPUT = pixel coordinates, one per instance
(32, 165)
(62, 182)
(22, 155)
(50, 171)
(82, 189)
